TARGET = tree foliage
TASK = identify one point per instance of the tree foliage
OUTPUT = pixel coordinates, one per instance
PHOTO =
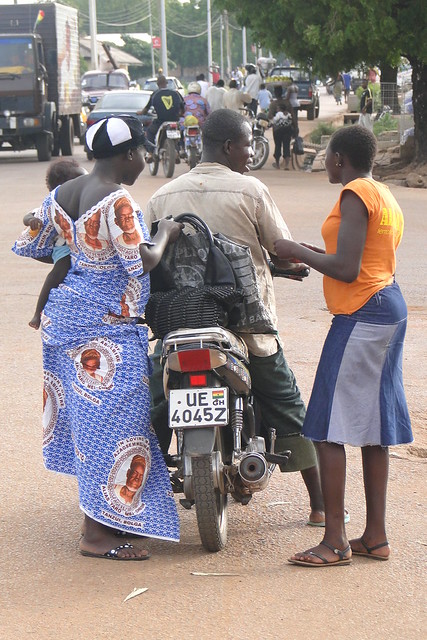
(338, 34)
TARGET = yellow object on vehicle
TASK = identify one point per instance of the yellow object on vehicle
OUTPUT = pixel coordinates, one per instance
(190, 121)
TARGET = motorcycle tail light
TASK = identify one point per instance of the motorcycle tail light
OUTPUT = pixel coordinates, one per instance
(173, 125)
(198, 380)
(196, 360)
(193, 131)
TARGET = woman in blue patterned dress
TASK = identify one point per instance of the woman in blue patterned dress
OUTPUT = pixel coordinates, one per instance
(96, 402)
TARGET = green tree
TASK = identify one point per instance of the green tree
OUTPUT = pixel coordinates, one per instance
(331, 34)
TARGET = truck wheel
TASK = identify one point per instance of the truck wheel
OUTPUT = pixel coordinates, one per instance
(44, 149)
(310, 113)
(66, 136)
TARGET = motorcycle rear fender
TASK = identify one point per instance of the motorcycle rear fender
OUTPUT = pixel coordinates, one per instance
(200, 441)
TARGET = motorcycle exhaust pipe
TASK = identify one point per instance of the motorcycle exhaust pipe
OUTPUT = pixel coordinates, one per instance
(253, 469)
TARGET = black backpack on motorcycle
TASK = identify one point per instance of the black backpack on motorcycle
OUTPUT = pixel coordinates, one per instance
(205, 280)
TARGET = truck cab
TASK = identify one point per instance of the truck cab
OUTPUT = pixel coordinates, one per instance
(40, 100)
(23, 88)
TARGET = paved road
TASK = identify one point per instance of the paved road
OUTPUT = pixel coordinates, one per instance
(48, 591)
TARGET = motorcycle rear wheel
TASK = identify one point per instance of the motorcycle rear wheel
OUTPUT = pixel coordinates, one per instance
(168, 158)
(153, 166)
(211, 505)
(192, 157)
(261, 152)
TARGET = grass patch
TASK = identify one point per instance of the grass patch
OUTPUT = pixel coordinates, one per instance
(386, 123)
(322, 129)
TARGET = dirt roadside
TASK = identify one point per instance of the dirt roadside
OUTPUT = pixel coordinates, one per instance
(48, 591)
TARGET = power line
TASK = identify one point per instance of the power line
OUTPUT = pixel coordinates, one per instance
(196, 35)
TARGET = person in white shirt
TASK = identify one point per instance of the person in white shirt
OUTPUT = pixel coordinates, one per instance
(235, 99)
(215, 95)
(204, 86)
(253, 83)
(245, 210)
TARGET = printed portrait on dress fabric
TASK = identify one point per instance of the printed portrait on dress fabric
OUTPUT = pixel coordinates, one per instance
(53, 401)
(128, 476)
(95, 363)
(128, 235)
(65, 227)
(91, 237)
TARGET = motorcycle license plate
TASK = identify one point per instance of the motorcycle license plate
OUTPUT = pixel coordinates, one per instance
(198, 407)
(173, 134)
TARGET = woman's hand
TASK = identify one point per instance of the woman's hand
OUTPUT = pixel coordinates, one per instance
(171, 228)
(287, 250)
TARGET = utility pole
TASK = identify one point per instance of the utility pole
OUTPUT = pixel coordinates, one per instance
(153, 68)
(221, 46)
(244, 55)
(93, 33)
(209, 26)
(164, 39)
(227, 45)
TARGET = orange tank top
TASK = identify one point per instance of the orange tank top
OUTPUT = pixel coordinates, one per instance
(384, 233)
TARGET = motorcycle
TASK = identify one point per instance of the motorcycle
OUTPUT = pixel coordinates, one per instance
(213, 414)
(165, 149)
(260, 143)
(211, 411)
(192, 144)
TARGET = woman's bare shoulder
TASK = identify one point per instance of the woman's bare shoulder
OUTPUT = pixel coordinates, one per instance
(82, 194)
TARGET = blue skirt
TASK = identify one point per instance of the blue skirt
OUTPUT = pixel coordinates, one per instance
(358, 396)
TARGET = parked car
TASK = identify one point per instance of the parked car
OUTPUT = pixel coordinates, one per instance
(173, 83)
(308, 92)
(95, 84)
(120, 103)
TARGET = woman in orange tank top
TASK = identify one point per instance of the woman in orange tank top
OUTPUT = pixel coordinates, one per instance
(358, 397)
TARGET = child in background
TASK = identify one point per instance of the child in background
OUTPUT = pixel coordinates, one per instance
(264, 98)
(59, 171)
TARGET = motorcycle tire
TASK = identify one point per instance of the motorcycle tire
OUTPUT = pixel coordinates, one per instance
(192, 157)
(168, 158)
(261, 151)
(153, 166)
(211, 505)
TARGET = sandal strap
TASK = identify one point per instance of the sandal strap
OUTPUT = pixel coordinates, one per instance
(340, 554)
(377, 546)
(115, 552)
(317, 555)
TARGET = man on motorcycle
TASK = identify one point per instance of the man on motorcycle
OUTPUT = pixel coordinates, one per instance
(168, 104)
(242, 207)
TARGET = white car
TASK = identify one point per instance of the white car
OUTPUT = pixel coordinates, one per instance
(173, 83)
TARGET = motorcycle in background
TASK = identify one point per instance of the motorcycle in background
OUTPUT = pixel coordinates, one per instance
(165, 149)
(192, 140)
(260, 143)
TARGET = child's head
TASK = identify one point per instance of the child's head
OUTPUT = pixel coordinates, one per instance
(61, 171)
